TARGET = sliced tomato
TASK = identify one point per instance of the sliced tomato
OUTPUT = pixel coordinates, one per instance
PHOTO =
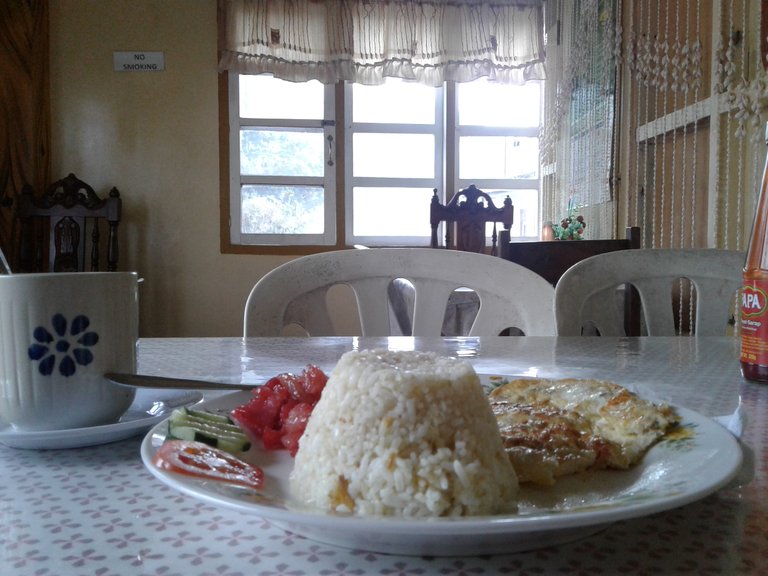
(263, 410)
(279, 410)
(291, 383)
(198, 459)
(294, 425)
(314, 382)
(272, 438)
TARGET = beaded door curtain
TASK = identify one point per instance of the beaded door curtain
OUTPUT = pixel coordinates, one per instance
(692, 141)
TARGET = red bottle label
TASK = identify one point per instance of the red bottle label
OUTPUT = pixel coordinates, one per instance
(754, 321)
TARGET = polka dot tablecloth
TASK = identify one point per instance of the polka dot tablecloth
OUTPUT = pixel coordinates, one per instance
(96, 510)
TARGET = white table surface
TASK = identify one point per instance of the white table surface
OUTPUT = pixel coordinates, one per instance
(98, 511)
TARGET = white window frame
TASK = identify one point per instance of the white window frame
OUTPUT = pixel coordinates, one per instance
(437, 181)
(445, 180)
(237, 180)
(490, 185)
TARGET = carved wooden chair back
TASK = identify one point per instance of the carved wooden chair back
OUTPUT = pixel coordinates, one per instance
(63, 230)
(465, 217)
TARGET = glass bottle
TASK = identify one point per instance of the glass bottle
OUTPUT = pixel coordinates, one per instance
(754, 293)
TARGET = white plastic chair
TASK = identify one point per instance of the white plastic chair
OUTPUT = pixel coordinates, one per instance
(511, 296)
(586, 295)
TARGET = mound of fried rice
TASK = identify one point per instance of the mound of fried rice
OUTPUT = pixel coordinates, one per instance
(403, 434)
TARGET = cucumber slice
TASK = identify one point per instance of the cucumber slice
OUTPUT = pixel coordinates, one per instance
(204, 414)
(216, 430)
(224, 442)
(223, 427)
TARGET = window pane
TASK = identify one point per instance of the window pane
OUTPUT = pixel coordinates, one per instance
(393, 155)
(396, 102)
(281, 209)
(391, 211)
(281, 152)
(483, 103)
(526, 202)
(263, 96)
(498, 157)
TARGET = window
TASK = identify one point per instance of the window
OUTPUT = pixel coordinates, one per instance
(282, 179)
(396, 143)
(497, 147)
(394, 139)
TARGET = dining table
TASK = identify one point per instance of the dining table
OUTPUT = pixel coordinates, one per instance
(97, 509)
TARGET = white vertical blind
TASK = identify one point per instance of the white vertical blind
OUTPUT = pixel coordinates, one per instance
(579, 119)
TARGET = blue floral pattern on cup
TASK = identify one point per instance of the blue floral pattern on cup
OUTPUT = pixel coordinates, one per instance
(67, 344)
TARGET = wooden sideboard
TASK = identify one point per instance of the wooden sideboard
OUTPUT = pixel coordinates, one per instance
(551, 259)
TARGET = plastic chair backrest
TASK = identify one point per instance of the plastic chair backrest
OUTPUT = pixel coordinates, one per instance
(511, 296)
(586, 293)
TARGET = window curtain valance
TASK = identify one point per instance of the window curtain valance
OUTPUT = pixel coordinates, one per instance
(364, 41)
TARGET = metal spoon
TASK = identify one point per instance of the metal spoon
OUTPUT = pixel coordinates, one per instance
(146, 381)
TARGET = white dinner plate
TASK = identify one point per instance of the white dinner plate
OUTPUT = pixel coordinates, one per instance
(148, 408)
(673, 473)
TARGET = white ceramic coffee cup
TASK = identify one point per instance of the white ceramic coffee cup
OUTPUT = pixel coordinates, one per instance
(59, 334)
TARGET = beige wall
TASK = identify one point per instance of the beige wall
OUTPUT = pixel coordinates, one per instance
(154, 135)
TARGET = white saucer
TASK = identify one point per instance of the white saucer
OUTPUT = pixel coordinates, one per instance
(148, 408)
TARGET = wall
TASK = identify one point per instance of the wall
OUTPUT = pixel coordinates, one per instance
(154, 135)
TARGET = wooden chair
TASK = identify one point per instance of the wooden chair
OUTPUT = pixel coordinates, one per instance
(585, 300)
(511, 296)
(465, 217)
(61, 230)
